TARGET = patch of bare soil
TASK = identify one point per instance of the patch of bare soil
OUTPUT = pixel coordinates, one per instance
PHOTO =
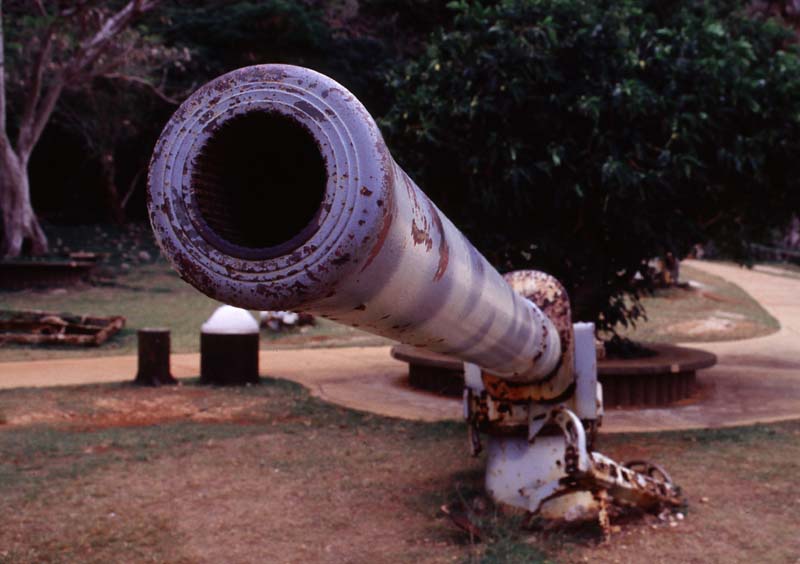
(330, 496)
(717, 327)
(294, 487)
(237, 502)
(134, 407)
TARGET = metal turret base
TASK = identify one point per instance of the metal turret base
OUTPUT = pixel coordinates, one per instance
(539, 456)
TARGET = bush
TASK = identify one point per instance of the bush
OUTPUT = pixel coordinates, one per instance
(584, 137)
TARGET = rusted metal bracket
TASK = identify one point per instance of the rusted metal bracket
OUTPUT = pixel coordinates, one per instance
(495, 406)
(540, 455)
(593, 472)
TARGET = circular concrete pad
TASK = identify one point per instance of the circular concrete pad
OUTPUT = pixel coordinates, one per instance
(659, 380)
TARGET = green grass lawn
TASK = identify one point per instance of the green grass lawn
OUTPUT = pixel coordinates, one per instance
(114, 473)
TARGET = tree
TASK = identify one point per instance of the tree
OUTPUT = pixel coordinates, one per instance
(57, 46)
(585, 137)
(108, 117)
(787, 11)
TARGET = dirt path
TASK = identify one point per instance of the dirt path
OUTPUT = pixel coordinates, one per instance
(364, 378)
(756, 380)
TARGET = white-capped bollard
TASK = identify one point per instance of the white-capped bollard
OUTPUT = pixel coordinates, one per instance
(229, 348)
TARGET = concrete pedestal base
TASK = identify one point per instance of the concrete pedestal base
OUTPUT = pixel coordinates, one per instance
(229, 359)
(663, 379)
(514, 467)
(660, 380)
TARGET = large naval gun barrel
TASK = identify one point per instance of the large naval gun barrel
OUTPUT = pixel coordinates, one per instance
(272, 188)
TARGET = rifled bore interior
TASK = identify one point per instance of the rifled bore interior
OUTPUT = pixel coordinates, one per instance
(259, 181)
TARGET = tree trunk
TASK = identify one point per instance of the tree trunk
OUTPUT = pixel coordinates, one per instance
(116, 212)
(20, 224)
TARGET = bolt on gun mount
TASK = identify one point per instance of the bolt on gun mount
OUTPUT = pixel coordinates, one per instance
(271, 188)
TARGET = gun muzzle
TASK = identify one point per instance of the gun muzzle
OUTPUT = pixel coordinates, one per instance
(272, 188)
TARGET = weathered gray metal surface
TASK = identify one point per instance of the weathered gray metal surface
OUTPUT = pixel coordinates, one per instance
(375, 254)
(533, 474)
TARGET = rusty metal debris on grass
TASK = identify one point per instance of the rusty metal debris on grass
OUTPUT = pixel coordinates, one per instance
(31, 327)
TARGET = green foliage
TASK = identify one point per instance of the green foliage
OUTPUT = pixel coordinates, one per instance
(508, 550)
(585, 137)
(229, 33)
(136, 59)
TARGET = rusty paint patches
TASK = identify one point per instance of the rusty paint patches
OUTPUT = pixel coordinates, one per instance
(166, 208)
(264, 290)
(444, 248)
(194, 274)
(383, 234)
(420, 236)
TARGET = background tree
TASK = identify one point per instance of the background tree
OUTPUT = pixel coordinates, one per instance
(52, 47)
(353, 41)
(112, 113)
(105, 129)
(786, 10)
(585, 137)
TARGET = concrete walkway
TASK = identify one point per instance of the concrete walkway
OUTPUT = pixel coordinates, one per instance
(757, 380)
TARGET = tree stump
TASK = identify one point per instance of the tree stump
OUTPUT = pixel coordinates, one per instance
(154, 349)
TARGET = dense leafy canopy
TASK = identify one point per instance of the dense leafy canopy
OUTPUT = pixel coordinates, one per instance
(584, 137)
